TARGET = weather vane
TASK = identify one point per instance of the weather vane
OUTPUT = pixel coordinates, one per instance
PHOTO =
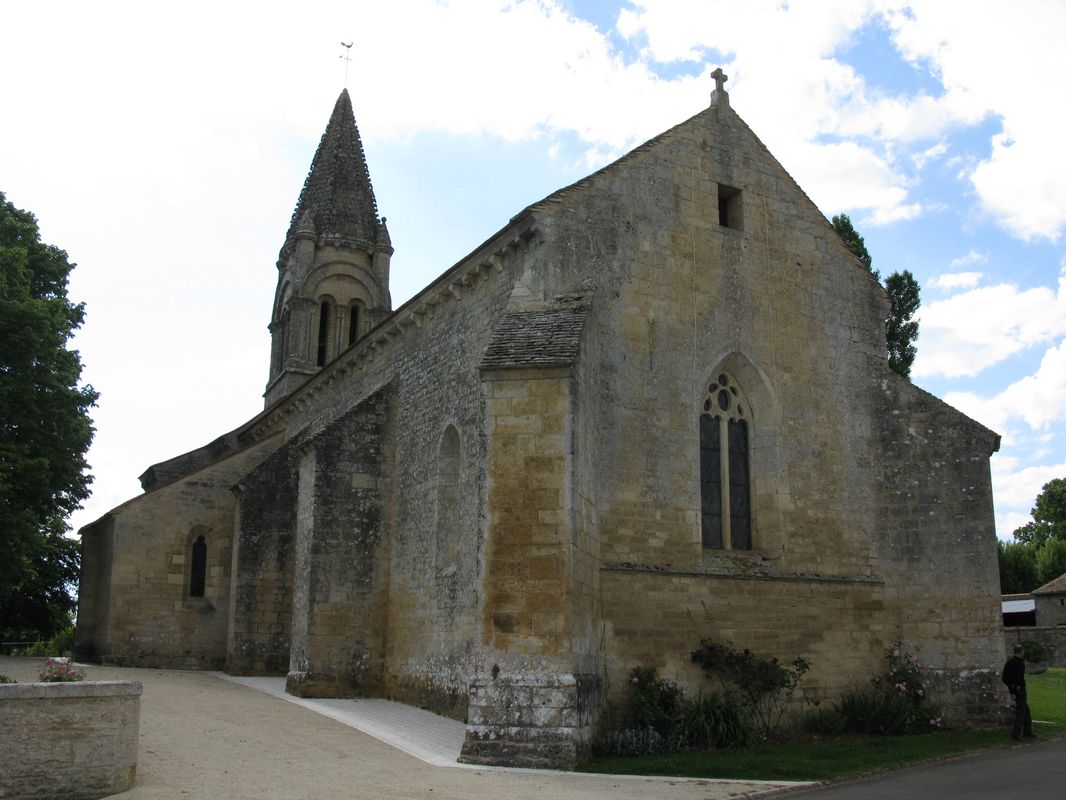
(347, 60)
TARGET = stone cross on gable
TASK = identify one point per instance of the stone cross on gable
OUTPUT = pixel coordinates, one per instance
(719, 97)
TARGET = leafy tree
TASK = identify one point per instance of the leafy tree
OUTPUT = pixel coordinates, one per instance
(1017, 568)
(1050, 561)
(856, 244)
(45, 431)
(901, 329)
(1049, 516)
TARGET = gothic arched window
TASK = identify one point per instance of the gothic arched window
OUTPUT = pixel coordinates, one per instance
(198, 568)
(725, 466)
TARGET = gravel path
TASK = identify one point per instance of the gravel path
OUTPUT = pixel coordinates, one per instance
(204, 737)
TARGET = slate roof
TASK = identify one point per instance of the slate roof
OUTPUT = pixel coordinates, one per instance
(337, 194)
(1057, 586)
(545, 338)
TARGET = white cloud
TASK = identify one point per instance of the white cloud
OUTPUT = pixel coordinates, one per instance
(931, 154)
(1038, 400)
(956, 280)
(1022, 184)
(1016, 489)
(973, 330)
(973, 257)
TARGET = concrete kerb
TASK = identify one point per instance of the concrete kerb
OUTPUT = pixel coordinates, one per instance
(437, 740)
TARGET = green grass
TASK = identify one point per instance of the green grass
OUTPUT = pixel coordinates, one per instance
(823, 758)
(1047, 699)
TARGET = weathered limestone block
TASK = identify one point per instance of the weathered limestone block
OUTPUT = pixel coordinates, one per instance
(530, 720)
(969, 697)
(69, 741)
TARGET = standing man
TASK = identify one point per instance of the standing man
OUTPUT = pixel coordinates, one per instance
(1014, 677)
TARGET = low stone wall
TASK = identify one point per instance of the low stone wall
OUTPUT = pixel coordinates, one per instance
(1053, 638)
(68, 740)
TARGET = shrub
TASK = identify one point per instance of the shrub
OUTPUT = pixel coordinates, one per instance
(653, 702)
(657, 718)
(633, 742)
(61, 670)
(5, 679)
(766, 685)
(59, 645)
(717, 720)
(896, 701)
(874, 709)
(1035, 651)
(824, 721)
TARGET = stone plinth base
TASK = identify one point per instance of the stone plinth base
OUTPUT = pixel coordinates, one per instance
(69, 740)
(530, 720)
(317, 684)
(970, 697)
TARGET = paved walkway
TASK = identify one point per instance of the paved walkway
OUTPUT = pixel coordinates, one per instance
(428, 737)
(205, 737)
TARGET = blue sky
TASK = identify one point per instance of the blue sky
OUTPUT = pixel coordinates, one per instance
(165, 149)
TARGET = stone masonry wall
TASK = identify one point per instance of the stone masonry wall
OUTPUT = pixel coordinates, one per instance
(528, 571)
(936, 543)
(339, 604)
(68, 741)
(434, 570)
(261, 619)
(150, 619)
(1050, 609)
(1053, 638)
(658, 617)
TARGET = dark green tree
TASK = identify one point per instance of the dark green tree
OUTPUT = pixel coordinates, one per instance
(1017, 568)
(1049, 516)
(1050, 561)
(856, 244)
(45, 431)
(901, 329)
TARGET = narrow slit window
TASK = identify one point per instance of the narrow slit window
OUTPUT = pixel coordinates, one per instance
(323, 333)
(198, 570)
(730, 207)
(353, 324)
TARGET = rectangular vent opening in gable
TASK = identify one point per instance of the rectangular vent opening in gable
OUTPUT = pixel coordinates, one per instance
(730, 207)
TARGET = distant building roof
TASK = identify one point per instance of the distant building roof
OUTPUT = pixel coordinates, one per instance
(1057, 586)
(1018, 606)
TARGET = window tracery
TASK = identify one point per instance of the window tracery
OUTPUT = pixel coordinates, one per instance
(725, 466)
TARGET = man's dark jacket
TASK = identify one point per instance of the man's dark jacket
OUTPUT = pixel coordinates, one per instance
(1014, 673)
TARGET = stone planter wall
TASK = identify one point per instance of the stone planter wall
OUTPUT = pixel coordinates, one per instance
(68, 740)
(1052, 637)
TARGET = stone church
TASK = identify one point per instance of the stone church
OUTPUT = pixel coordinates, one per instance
(654, 407)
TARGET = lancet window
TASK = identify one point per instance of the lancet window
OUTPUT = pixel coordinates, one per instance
(198, 568)
(725, 466)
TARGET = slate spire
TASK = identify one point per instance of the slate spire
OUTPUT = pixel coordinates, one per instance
(337, 197)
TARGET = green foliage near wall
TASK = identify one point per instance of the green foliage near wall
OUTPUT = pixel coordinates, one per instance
(1038, 553)
(901, 329)
(45, 431)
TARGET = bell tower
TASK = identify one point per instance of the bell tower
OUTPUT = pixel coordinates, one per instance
(333, 269)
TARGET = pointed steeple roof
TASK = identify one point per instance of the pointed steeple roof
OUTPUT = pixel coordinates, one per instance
(337, 196)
